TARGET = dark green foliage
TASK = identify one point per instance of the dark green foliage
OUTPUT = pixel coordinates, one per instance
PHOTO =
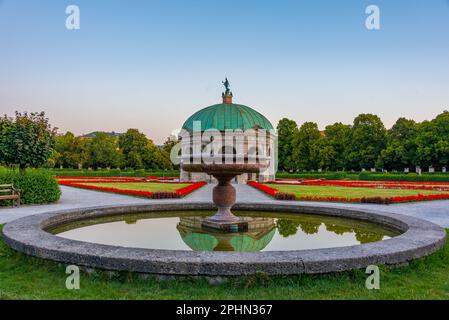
(401, 146)
(335, 144)
(285, 196)
(26, 140)
(367, 140)
(318, 175)
(165, 195)
(433, 142)
(36, 186)
(306, 147)
(438, 177)
(287, 130)
(70, 151)
(139, 152)
(376, 200)
(103, 151)
(365, 145)
(115, 173)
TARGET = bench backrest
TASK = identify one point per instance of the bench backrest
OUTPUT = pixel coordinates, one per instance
(6, 188)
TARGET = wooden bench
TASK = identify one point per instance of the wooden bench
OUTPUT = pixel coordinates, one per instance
(8, 192)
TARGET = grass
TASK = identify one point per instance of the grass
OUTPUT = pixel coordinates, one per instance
(141, 186)
(23, 277)
(348, 192)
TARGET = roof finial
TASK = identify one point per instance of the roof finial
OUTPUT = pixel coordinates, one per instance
(227, 95)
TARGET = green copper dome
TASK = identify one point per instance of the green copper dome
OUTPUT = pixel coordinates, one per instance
(228, 116)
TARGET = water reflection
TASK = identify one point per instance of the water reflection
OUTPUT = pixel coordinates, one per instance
(287, 227)
(260, 233)
(184, 231)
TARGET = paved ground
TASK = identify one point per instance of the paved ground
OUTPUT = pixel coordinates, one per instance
(434, 211)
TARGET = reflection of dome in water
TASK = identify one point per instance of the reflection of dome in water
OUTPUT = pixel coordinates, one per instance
(200, 241)
(261, 232)
(245, 243)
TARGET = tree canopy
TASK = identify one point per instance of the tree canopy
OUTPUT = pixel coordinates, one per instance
(287, 129)
(365, 144)
(26, 140)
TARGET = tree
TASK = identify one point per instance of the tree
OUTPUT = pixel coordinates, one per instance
(367, 140)
(103, 151)
(306, 147)
(433, 141)
(71, 151)
(286, 130)
(139, 152)
(334, 152)
(27, 140)
(171, 142)
(401, 146)
(135, 148)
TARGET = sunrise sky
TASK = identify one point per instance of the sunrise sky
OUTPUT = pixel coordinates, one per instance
(150, 64)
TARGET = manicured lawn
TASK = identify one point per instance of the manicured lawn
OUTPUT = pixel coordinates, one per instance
(22, 277)
(141, 186)
(349, 192)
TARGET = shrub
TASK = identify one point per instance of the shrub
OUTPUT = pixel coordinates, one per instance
(367, 175)
(285, 196)
(318, 175)
(165, 195)
(437, 177)
(114, 173)
(376, 200)
(36, 186)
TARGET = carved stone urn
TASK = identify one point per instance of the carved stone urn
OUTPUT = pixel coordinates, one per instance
(224, 194)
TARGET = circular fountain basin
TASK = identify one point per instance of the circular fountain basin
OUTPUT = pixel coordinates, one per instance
(350, 239)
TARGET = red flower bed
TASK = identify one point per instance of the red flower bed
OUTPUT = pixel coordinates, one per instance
(380, 200)
(436, 186)
(420, 197)
(268, 190)
(147, 194)
(189, 189)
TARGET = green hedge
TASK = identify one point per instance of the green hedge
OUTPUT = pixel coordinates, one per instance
(37, 186)
(319, 175)
(437, 177)
(115, 173)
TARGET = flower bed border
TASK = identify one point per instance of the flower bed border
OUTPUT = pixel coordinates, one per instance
(146, 194)
(395, 199)
(431, 186)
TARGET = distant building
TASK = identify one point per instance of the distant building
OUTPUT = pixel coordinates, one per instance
(94, 134)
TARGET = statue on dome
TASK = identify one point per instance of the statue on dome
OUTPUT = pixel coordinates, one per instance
(227, 86)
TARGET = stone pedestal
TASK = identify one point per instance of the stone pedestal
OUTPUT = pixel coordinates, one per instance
(224, 197)
(224, 194)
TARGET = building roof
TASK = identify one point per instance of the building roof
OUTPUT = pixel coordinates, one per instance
(228, 116)
(95, 133)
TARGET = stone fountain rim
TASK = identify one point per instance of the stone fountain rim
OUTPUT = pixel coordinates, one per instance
(419, 238)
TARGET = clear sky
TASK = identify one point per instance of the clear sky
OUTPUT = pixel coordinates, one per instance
(150, 64)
